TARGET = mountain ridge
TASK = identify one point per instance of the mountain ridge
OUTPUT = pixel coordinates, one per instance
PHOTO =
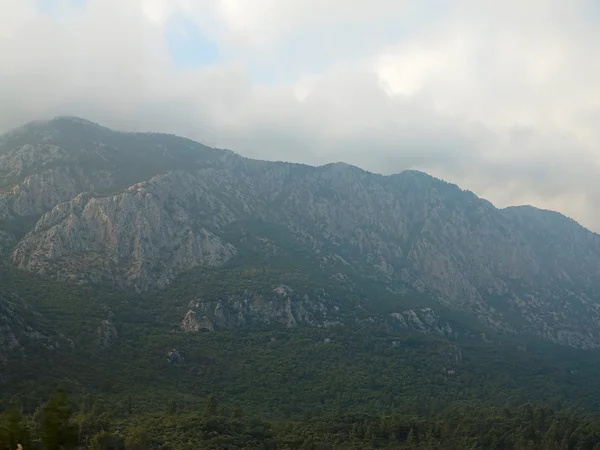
(86, 122)
(139, 209)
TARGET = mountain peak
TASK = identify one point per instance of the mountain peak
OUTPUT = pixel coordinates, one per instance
(48, 127)
(340, 166)
(73, 120)
(158, 205)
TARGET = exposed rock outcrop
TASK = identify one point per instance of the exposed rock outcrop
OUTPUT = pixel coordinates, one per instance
(107, 333)
(137, 210)
(174, 356)
(424, 320)
(142, 237)
(281, 306)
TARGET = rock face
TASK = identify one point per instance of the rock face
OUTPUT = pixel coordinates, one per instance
(283, 306)
(137, 210)
(107, 333)
(191, 324)
(142, 237)
(174, 356)
(48, 162)
(425, 320)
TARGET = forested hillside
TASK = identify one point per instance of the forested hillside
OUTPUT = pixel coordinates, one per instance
(183, 297)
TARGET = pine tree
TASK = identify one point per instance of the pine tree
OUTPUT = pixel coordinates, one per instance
(13, 430)
(57, 432)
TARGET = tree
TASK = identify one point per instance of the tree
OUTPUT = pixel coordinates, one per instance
(137, 439)
(106, 441)
(13, 430)
(90, 424)
(212, 406)
(412, 438)
(57, 432)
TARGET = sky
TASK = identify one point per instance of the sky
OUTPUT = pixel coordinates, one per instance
(499, 97)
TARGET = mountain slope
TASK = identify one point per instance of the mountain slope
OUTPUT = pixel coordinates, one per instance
(21, 327)
(138, 210)
(47, 162)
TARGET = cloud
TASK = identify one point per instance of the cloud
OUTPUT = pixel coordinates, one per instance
(499, 97)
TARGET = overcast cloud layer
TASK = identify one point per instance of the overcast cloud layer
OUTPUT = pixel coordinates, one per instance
(500, 97)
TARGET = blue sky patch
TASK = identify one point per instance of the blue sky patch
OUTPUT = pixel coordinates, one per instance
(591, 11)
(58, 7)
(187, 45)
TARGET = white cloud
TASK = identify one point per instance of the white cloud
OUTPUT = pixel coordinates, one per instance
(500, 97)
(20, 14)
(157, 11)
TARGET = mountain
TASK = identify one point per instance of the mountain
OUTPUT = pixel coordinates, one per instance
(138, 211)
(198, 299)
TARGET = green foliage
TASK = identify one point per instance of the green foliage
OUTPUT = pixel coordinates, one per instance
(454, 428)
(357, 386)
(360, 385)
(212, 406)
(13, 430)
(106, 441)
(474, 425)
(137, 439)
(57, 432)
(270, 371)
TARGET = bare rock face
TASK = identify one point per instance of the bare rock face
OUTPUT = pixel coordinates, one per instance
(83, 203)
(107, 333)
(424, 320)
(142, 237)
(192, 324)
(174, 357)
(281, 306)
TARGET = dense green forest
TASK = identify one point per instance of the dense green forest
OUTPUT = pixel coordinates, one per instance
(356, 385)
(59, 424)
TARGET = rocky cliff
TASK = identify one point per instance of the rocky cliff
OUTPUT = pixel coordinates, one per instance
(285, 307)
(137, 210)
